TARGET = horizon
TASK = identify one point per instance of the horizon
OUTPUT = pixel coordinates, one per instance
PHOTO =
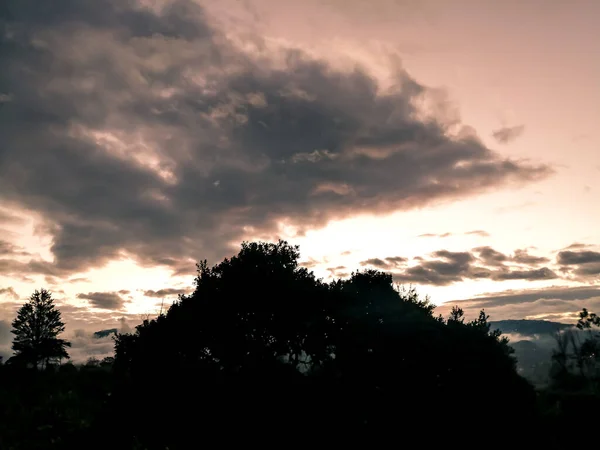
(428, 140)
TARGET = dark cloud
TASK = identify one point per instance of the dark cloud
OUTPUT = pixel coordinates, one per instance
(396, 259)
(103, 300)
(151, 135)
(10, 292)
(584, 264)
(588, 270)
(376, 262)
(452, 267)
(570, 258)
(522, 256)
(442, 235)
(490, 257)
(508, 134)
(170, 292)
(387, 263)
(534, 274)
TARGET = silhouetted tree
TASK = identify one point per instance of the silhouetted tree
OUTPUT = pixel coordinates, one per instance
(264, 345)
(36, 329)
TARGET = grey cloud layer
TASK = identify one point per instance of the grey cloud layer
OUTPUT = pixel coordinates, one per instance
(168, 292)
(103, 300)
(582, 265)
(149, 134)
(555, 303)
(444, 267)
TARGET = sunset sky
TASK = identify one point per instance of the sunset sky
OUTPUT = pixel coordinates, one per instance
(455, 144)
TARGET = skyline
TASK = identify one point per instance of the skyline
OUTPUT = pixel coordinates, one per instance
(455, 146)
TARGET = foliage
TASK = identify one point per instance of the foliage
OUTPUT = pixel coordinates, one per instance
(36, 329)
(352, 356)
(53, 409)
(264, 351)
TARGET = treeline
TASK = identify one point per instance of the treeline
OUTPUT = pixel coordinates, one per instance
(264, 352)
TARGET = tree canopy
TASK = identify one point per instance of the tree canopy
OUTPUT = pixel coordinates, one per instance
(261, 340)
(36, 329)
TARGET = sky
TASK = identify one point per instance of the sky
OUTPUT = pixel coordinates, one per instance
(453, 144)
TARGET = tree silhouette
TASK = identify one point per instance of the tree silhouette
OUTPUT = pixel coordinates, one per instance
(36, 329)
(261, 344)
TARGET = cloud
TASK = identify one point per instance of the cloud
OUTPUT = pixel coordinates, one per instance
(508, 134)
(490, 256)
(448, 268)
(79, 280)
(310, 263)
(553, 303)
(338, 271)
(442, 235)
(396, 259)
(376, 262)
(569, 258)
(10, 292)
(149, 134)
(86, 344)
(583, 264)
(534, 274)
(103, 300)
(7, 217)
(481, 233)
(523, 257)
(451, 267)
(387, 263)
(8, 249)
(169, 292)
(576, 245)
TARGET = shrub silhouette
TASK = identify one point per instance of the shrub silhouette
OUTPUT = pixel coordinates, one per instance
(262, 345)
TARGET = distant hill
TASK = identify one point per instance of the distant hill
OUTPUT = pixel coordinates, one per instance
(534, 352)
(103, 333)
(533, 360)
(529, 327)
